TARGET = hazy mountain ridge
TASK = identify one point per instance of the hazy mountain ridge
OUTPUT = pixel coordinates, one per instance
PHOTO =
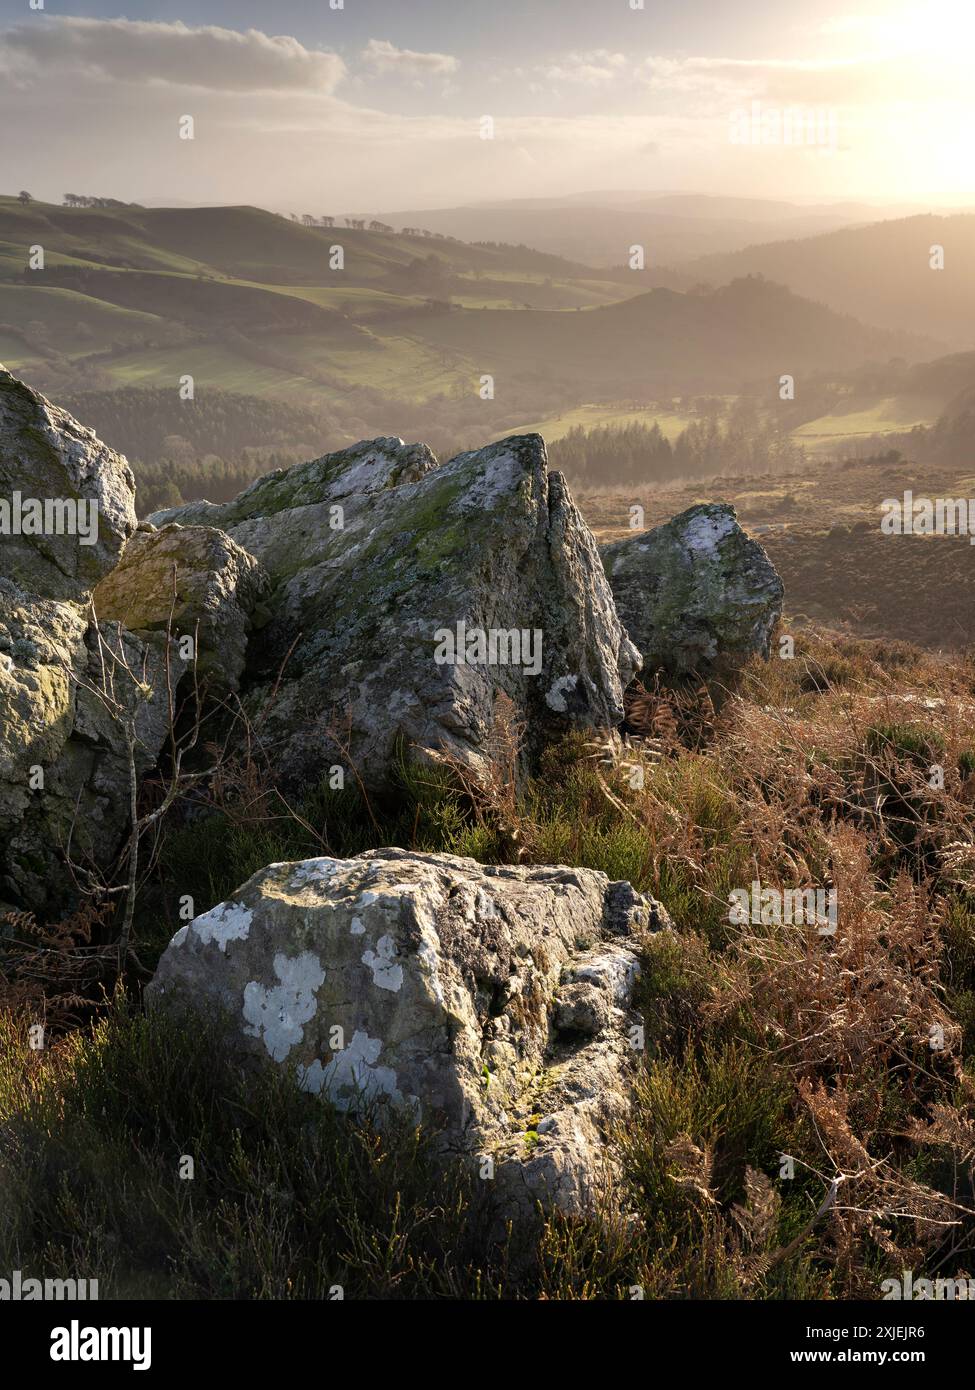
(881, 272)
(675, 228)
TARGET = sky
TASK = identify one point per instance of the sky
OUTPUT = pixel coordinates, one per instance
(382, 105)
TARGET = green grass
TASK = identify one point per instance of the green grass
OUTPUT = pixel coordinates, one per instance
(555, 427)
(75, 323)
(210, 364)
(287, 1200)
(885, 415)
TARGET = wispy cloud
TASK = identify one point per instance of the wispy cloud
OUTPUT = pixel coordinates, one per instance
(842, 81)
(383, 56)
(172, 53)
(591, 69)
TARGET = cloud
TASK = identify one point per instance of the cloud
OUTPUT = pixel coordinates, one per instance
(590, 69)
(282, 124)
(845, 81)
(172, 53)
(386, 57)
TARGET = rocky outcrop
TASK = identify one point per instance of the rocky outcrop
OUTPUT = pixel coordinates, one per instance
(407, 595)
(191, 581)
(371, 606)
(67, 502)
(696, 593)
(493, 1003)
(64, 766)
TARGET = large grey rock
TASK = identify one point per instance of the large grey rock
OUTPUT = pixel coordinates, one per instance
(64, 767)
(374, 554)
(194, 580)
(695, 593)
(368, 467)
(47, 457)
(491, 1002)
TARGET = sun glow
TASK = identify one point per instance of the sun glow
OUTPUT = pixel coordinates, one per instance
(942, 28)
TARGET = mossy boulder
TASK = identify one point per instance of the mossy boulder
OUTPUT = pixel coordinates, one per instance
(696, 594)
(374, 553)
(193, 581)
(371, 466)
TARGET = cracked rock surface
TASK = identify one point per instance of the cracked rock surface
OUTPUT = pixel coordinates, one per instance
(493, 1002)
(45, 454)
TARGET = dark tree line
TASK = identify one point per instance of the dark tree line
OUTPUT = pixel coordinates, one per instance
(640, 453)
(87, 200)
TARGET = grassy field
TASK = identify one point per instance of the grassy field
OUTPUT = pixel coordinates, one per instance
(209, 364)
(588, 417)
(886, 415)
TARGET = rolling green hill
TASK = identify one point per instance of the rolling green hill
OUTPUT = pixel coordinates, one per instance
(249, 301)
(399, 338)
(128, 289)
(667, 340)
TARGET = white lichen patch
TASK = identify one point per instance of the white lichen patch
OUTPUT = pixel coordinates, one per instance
(386, 972)
(484, 905)
(356, 927)
(704, 531)
(388, 896)
(352, 1075)
(616, 972)
(278, 1014)
(494, 483)
(314, 871)
(428, 954)
(555, 697)
(224, 923)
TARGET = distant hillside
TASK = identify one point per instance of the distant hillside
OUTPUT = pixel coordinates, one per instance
(250, 302)
(247, 301)
(880, 273)
(944, 435)
(666, 340)
(249, 244)
(599, 228)
(397, 338)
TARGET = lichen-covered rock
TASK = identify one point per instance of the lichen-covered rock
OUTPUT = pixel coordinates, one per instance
(695, 593)
(441, 985)
(64, 771)
(64, 766)
(374, 465)
(407, 595)
(41, 643)
(49, 461)
(198, 580)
